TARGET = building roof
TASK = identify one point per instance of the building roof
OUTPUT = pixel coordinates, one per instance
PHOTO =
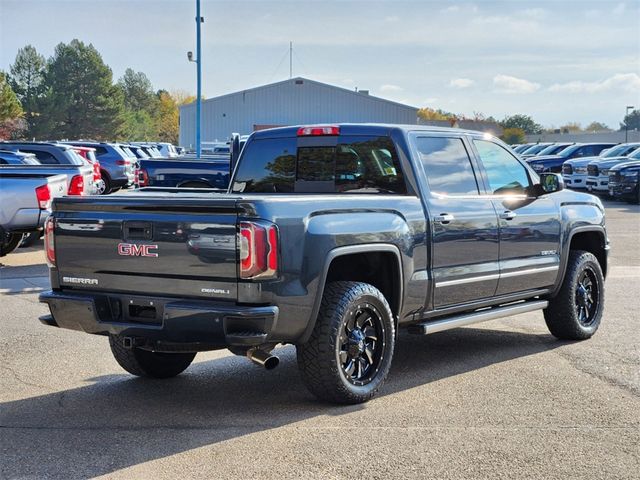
(359, 94)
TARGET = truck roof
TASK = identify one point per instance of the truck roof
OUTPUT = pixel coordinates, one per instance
(360, 129)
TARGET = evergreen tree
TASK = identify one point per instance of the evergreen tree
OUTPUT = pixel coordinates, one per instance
(83, 102)
(27, 79)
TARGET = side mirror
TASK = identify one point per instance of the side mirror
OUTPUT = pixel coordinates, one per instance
(551, 182)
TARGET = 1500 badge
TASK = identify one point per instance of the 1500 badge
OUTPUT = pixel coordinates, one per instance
(135, 250)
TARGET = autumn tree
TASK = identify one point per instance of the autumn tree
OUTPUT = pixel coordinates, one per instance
(168, 119)
(11, 112)
(513, 136)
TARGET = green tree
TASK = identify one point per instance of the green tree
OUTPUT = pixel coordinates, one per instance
(27, 78)
(137, 91)
(571, 127)
(83, 101)
(513, 135)
(631, 121)
(523, 122)
(11, 112)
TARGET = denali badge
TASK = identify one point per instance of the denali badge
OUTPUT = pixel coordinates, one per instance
(220, 291)
(83, 281)
(134, 250)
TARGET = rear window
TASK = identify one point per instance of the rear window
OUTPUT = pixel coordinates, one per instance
(354, 164)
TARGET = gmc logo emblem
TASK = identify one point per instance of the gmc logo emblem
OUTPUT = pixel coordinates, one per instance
(134, 250)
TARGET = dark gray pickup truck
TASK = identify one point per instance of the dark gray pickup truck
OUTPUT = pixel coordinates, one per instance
(330, 238)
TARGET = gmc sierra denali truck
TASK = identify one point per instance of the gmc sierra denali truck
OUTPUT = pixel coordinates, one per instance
(331, 238)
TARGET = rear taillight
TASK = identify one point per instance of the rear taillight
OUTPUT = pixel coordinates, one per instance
(318, 130)
(43, 194)
(142, 177)
(49, 243)
(96, 172)
(258, 250)
(76, 187)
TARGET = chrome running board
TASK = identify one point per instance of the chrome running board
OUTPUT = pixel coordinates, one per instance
(433, 326)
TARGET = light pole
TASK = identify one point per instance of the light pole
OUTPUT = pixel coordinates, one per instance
(626, 125)
(198, 62)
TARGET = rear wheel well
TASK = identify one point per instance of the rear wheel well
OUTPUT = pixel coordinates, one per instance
(380, 269)
(593, 242)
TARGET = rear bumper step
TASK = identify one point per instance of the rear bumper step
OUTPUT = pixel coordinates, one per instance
(160, 320)
(448, 323)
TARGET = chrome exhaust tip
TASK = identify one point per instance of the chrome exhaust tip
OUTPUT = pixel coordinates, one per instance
(262, 358)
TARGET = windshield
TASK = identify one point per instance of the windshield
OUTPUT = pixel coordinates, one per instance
(76, 159)
(619, 151)
(635, 154)
(535, 149)
(553, 149)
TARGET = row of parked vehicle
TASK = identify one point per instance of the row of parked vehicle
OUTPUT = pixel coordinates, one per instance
(33, 173)
(605, 168)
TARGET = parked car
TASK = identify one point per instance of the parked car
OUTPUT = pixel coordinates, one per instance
(116, 168)
(598, 170)
(330, 239)
(8, 157)
(54, 158)
(88, 154)
(554, 148)
(167, 149)
(523, 147)
(574, 171)
(624, 181)
(534, 150)
(553, 163)
(25, 203)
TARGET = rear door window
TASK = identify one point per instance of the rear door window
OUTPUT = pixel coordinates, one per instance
(447, 166)
(352, 164)
(43, 157)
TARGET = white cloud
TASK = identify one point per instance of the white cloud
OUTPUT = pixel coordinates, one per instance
(536, 13)
(451, 9)
(392, 19)
(508, 84)
(430, 101)
(390, 88)
(629, 82)
(461, 83)
(619, 10)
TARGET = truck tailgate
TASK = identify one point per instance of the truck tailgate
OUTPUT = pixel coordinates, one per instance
(162, 246)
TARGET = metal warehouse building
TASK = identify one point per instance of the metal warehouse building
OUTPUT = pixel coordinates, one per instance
(290, 102)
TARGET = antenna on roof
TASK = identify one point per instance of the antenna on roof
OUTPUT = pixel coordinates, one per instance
(290, 60)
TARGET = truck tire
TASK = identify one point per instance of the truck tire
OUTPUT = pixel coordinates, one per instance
(9, 242)
(348, 356)
(575, 313)
(144, 363)
(107, 183)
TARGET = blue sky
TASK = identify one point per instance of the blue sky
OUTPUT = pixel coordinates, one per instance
(557, 61)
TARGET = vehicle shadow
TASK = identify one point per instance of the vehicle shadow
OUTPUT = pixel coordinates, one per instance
(118, 421)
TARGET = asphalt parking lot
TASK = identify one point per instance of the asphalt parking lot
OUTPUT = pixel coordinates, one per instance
(500, 400)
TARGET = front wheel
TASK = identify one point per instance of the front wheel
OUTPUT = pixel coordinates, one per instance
(575, 313)
(144, 363)
(348, 356)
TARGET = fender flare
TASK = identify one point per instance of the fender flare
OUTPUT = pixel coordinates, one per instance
(564, 260)
(340, 252)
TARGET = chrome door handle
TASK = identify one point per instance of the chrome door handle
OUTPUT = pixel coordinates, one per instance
(443, 218)
(508, 215)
